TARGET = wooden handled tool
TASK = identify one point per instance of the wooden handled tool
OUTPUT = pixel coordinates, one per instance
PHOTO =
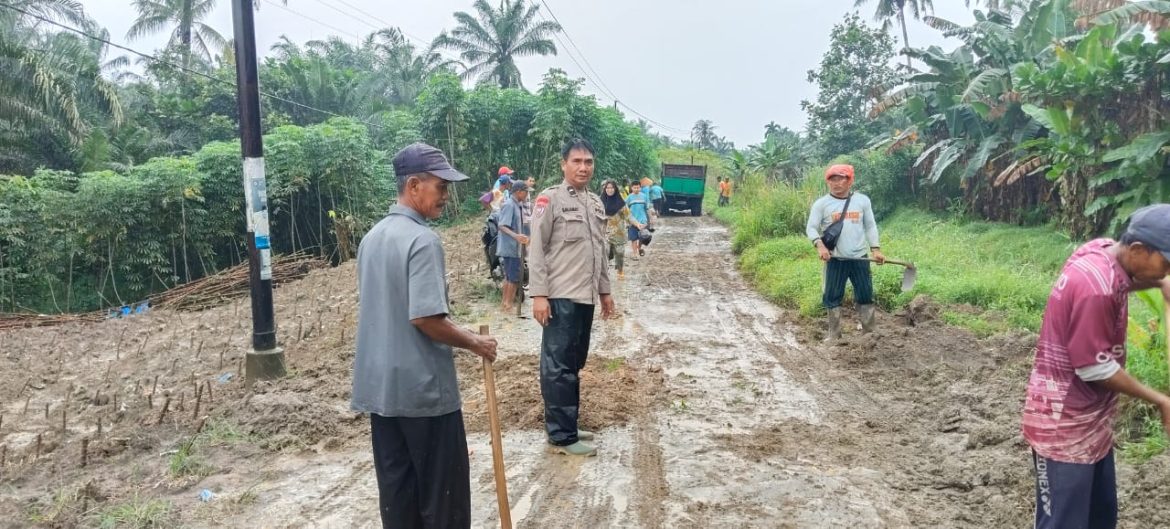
(909, 276)
(489, 381)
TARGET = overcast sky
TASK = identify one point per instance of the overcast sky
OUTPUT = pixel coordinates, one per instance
(739, 63)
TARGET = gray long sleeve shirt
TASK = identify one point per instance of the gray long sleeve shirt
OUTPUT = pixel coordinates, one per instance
(859, 232)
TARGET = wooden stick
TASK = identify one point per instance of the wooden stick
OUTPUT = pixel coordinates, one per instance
(198, 401)
(64, 420)
(182, 400)
(489, 381)
(99, 425)
(26, 401)
(209, 395)
(107, 376)
(154, 387)
(163, 414)
(118, 348)
(143, 346)
(3, 455)
(26, 383)
(46, 411)
(199, 427)
(84, 452)
(173, 362)
(199, 350)
(38, 452)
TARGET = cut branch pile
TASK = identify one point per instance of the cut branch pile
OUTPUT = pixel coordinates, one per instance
(213, 290)
(197, 295)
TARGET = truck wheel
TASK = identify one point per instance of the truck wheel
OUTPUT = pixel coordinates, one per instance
(697, 208)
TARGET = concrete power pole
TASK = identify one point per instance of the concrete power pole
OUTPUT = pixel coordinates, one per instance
(266, 360)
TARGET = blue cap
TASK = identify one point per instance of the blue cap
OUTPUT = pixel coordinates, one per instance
(419, 158)
(1151, 227)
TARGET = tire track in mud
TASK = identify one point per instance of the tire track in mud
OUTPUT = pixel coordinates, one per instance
(726, 353)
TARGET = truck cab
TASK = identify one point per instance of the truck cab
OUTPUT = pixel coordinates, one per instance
(683, 187)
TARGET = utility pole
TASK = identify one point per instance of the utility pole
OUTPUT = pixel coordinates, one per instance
(266, 360)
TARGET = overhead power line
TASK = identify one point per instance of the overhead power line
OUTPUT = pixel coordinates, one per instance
(600, 83)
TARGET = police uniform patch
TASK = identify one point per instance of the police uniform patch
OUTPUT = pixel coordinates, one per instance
(540, 206)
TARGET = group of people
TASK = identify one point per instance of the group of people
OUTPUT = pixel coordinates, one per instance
(1079, 368)
(632, 214)
(404, 371)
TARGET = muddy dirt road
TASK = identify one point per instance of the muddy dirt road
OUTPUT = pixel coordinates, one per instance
(713, 407)
(734, 419)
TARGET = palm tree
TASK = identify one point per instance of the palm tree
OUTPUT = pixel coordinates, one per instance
(703, 135)
(888, 9)
(52, 91)
(491, 41)
(190, 35)
(771, 129)
(403, 70)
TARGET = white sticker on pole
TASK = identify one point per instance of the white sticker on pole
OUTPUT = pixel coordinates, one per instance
(256, 193)
(265, 264)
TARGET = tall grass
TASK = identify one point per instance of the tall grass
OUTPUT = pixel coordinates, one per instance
(1007, 270)
(989, 277)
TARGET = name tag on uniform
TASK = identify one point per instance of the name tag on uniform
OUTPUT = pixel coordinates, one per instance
(572, 209)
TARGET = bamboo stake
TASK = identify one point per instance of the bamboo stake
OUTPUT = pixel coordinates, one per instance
(163, 414)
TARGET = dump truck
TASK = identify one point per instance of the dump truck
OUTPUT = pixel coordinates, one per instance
(683, 187)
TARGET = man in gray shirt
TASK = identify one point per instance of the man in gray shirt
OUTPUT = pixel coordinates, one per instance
(404, 371)
(846, 261)
(511, 242)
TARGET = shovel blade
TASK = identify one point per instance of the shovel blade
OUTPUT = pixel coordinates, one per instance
(909, 276)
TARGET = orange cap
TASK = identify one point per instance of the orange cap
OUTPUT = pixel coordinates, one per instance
(504, 171)
(845, 170)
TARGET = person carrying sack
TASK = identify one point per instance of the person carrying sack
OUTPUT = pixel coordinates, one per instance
(842, 227)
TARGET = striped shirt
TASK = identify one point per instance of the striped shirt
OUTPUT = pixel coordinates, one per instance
(1066, 418)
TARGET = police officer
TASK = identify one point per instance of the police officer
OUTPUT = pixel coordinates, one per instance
(568, 277)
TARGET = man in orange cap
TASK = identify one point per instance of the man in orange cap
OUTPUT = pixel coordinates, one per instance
(843, 230)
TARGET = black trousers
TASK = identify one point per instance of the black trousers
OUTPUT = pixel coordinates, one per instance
(563, 351)
(423, 472)
(856, 272)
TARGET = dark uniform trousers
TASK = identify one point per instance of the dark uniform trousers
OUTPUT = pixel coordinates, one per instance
(423, 471)
(563, 351)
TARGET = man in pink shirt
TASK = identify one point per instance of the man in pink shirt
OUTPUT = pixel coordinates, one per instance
(1080, 371)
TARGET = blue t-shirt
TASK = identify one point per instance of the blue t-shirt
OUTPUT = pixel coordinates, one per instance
(655, 192)
(638, 203)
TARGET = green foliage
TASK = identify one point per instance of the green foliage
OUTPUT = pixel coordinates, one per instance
(1028, 93)
(1013, 285)
(850, 75)
(53, 94)
(83, 241)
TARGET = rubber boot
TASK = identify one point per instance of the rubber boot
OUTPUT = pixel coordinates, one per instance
(866, 313)
(585, 435)
(834, 325)
(576, 449)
